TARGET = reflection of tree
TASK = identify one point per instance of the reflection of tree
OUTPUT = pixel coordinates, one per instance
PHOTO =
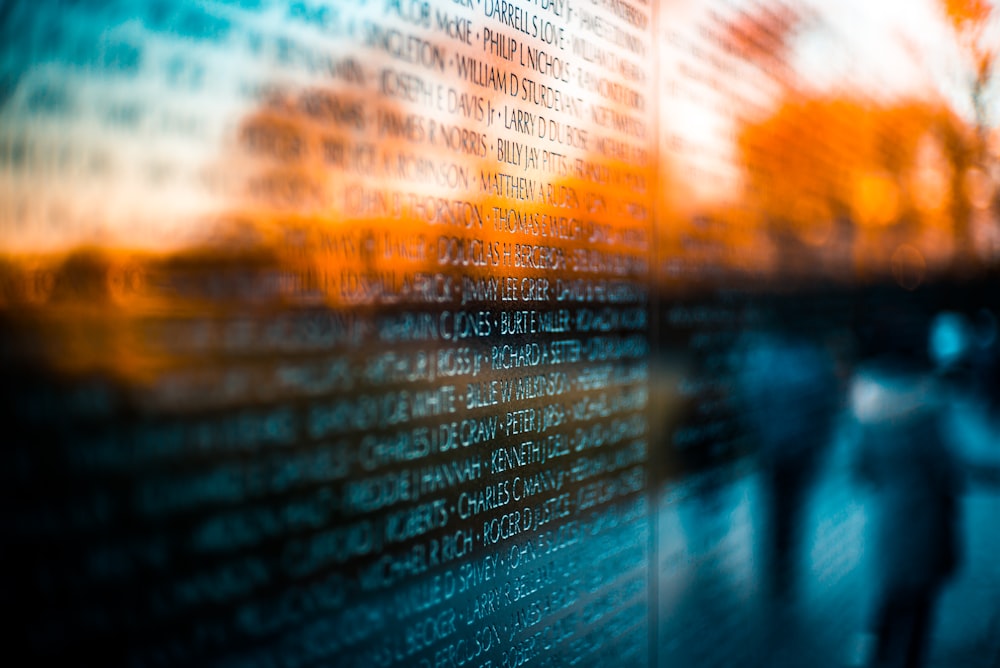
(970, 21)
(763, 36)
(325, 186)
(338, 177)
(838, 180)
(841, 177)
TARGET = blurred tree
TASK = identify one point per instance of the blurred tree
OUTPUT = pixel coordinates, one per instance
(843, 177)
(970, 20)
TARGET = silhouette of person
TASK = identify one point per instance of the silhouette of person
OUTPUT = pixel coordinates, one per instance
(791, 394)
(904, 457)
(985, 359)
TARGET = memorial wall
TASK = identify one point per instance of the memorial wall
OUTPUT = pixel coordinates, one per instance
(415, 332)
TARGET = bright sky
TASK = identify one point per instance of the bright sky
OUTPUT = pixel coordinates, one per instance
(885, 50)
(892, 46)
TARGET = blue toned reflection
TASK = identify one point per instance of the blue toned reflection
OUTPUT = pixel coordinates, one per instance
(856, 524)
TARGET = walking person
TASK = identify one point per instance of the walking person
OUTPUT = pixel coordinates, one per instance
(904, 459)
(791, 395)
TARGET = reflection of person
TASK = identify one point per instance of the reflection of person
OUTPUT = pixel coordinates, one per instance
(791, 398)
(903, 456)
(985, 360)
(967, 351)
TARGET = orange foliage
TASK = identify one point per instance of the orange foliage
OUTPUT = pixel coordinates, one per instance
(887, 171)
(962, 13)
(336, 206)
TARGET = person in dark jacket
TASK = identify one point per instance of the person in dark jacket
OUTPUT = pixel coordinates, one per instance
(914, 477)
(791, 396)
